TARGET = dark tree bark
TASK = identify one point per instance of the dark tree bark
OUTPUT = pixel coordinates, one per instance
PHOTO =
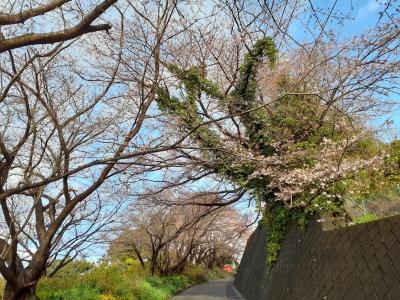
(20, 293)
(138, 255)
(85, 26)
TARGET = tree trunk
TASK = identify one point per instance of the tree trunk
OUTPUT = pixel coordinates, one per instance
(179, 266)
(13, 293)
(153, 264)
(138, 255)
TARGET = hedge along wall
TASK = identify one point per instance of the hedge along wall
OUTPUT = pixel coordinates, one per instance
(357, 262)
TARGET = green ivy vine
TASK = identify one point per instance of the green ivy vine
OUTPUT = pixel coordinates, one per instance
(261, 128)
(277, 219)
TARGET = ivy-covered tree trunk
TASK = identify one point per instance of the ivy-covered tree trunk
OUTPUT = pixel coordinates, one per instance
(292, 152)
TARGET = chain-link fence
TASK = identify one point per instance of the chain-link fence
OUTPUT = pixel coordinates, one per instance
(381, 205)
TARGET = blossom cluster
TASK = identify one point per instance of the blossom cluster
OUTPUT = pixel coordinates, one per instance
(295, 172)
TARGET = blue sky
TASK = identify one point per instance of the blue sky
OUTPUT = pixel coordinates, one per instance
(366, 13)
(362, 15)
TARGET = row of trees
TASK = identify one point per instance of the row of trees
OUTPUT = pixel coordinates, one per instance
(169, 238)
(100, 99)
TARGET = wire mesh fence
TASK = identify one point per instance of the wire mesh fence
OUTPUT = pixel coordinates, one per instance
(382, 205)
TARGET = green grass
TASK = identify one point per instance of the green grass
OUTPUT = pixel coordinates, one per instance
(118, 281)
(150, 288)
(80, 292)
(161, 288)
(366, 218)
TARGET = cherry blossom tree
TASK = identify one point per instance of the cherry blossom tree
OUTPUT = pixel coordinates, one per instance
(287, 122)
(73, 112)
(168, 238)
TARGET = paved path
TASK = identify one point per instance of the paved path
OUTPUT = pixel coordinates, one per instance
(213, 290)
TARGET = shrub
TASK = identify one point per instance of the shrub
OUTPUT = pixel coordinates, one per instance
(366, 218)
(155, 288)
(217, 273)
(196, 274)
(175, 284)
(146, 291)
(111, 281)
(200, 274)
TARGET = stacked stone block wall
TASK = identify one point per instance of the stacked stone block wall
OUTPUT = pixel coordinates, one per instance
(356, 262)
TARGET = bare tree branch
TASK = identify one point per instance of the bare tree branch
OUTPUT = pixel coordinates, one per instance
(85, 26)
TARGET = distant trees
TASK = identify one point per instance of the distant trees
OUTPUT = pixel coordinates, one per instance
(168, 238)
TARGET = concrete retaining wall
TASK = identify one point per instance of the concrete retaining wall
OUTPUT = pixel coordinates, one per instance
(357, 262)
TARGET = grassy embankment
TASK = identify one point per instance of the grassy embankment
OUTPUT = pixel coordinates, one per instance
(118, 281)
